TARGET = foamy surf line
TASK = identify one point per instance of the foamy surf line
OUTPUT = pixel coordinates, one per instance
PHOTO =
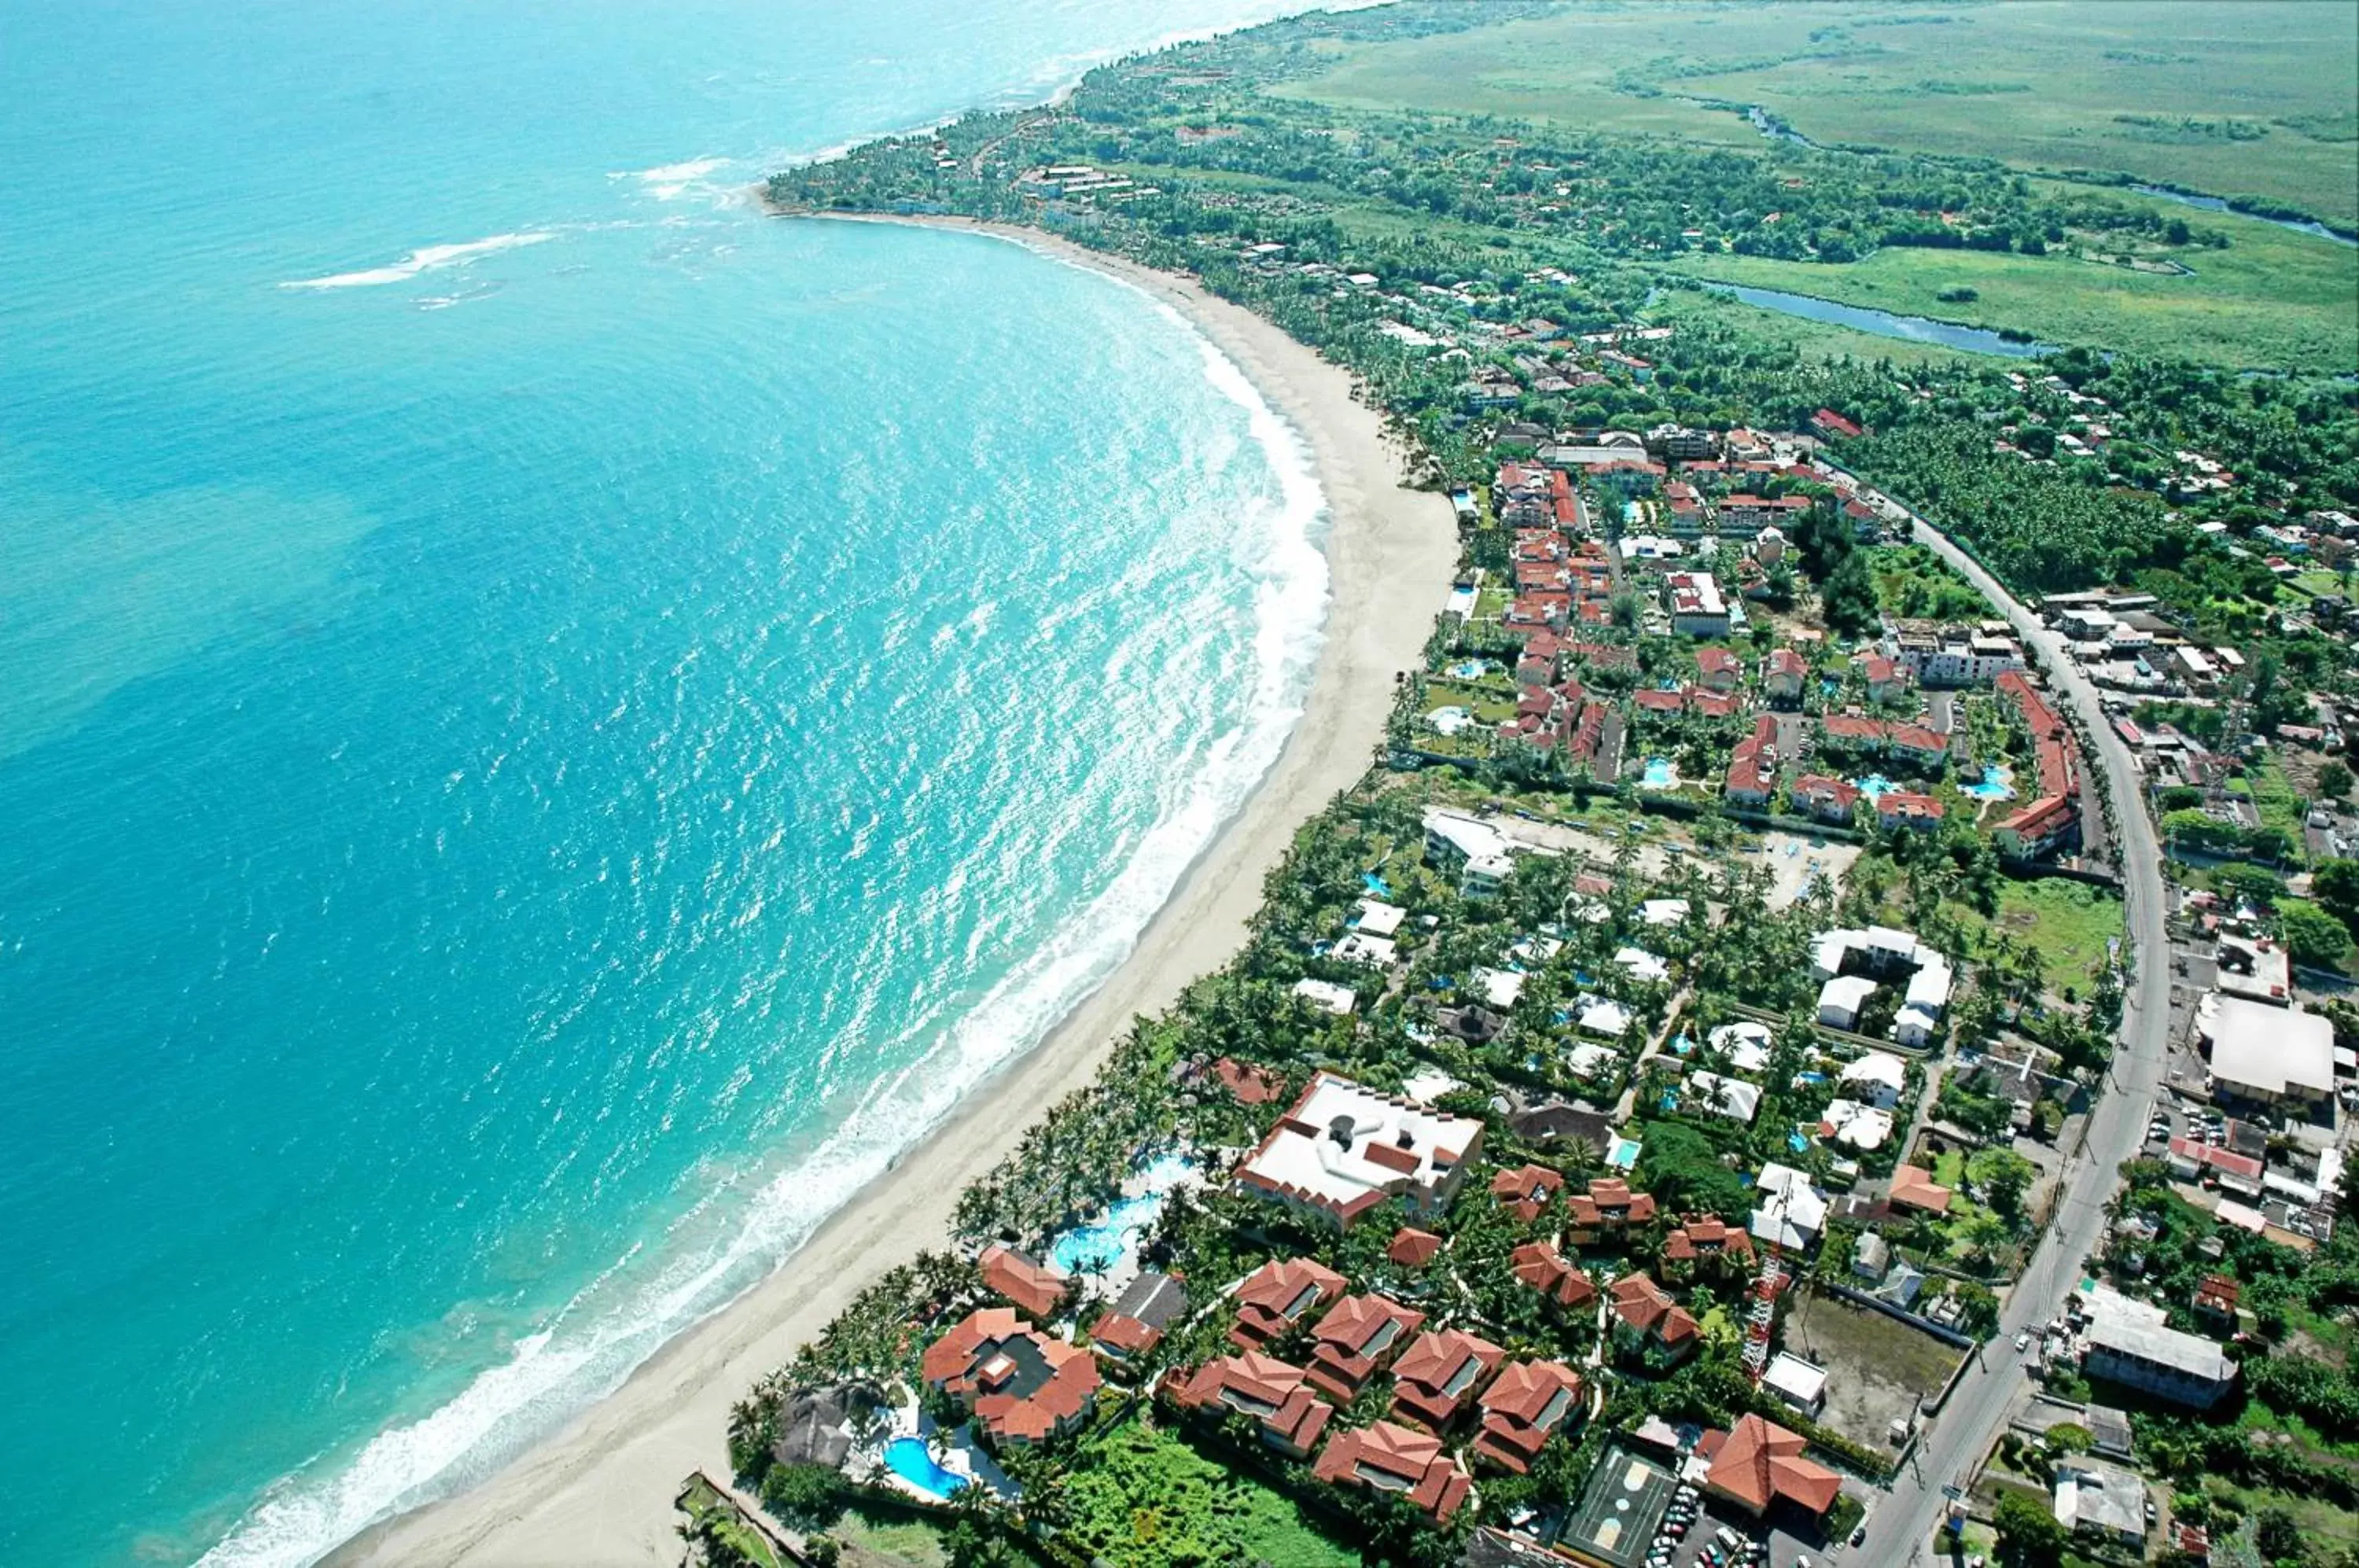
(555, 1374)
(432, 259)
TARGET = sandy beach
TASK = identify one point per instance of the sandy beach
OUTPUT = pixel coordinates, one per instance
(600, 1491)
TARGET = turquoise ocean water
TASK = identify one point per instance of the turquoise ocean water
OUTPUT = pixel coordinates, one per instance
(548, 723)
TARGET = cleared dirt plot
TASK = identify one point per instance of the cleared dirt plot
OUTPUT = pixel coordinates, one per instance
(1877, 1368)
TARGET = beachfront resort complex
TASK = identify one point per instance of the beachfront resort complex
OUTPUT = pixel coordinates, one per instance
(1817, 1038)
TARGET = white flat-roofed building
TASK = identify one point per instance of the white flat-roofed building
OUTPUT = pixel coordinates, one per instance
(1747, 1041)
(1828, 950)
(1916, 1026)
(2259, 970)
(1875, 1079)
(2093, 1498)
(1358, 947)
(1841, 998)
(1601, 1016)
(1663, 911)
(1791, 1212)
(1640, 964)
(1929, 987)
(1865, 1128)
(1327, 995)
(1343, 1148)
(1474, 848)
(1377, 918)
(2129, 1343)
(1796, 1382)
(1730, 1097)
(2261, 1053)
(1590, 1059)
(1500, 987)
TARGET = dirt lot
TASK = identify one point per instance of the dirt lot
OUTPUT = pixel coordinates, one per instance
(1877, 1367)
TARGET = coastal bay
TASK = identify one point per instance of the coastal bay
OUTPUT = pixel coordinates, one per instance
(601, 1490)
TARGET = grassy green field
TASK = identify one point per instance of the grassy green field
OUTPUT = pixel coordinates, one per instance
(1143, 1498)
(2068, 923)
(2251, 99)
(2272, 298)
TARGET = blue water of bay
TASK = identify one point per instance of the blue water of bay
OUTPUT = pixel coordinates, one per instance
(549, 725)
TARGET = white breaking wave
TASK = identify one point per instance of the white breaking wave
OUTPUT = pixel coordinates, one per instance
(432, 259)
(556, 1372)
(668, 181)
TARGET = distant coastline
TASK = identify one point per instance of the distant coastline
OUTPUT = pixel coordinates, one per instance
(601, 1490)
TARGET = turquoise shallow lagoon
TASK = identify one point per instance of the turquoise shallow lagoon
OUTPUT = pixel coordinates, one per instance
(548, 723)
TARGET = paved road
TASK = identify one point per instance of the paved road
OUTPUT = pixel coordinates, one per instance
(1977, 1410)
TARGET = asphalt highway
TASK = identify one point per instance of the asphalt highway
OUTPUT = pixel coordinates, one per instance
(1901, 1527)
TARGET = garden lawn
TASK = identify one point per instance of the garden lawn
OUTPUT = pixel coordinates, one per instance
(1142, 1499)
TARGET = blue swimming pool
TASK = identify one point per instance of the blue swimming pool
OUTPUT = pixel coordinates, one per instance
(1375, 884)
(909, 1459)
(1623, 1155)
(1660, 774)
(1101, 1244)
(1875, 786)
(1997, 784)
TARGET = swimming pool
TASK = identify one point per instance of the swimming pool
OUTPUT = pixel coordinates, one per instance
(1623, 1155)
(1470, 670)
(1099, 1246)
(910, 1459)
(1875, 786)
(1660, 774)
(1998, 784)
(1450, 720)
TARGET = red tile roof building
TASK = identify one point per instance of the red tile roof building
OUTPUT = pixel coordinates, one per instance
(1908, 809)
(1526, 1404)
(1272, 1392)
(1277, 1295)
(1524, 1191)
(1707, 1236)
(1022, 1384)
(1397, 1459)
(1250, 1085)
(1753, 766)
(1438, 1376)
(1608, 1205)
(1829, 799)
(1355, 1340)
(1762, 1463)
(1008, 1273)
(1647, 1311)
(1413, 1248)
(1542, 1268)
(1913, 1187)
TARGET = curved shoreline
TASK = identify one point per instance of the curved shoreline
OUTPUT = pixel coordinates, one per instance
(600, 1491)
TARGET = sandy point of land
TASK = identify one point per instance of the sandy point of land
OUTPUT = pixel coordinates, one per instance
(600, 1491)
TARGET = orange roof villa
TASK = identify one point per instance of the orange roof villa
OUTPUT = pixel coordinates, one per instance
(1277, 1295)
(1355, 1339)
(1271, 1390)
(1647, 1309)
(1015, 1277)
(1526, 1405)
(1022, 1384)
(1761, 1464)
(1542, 1268)
(1524, 1190)
(1343, 1148)
(1439, 1374)
(1391, 1458)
